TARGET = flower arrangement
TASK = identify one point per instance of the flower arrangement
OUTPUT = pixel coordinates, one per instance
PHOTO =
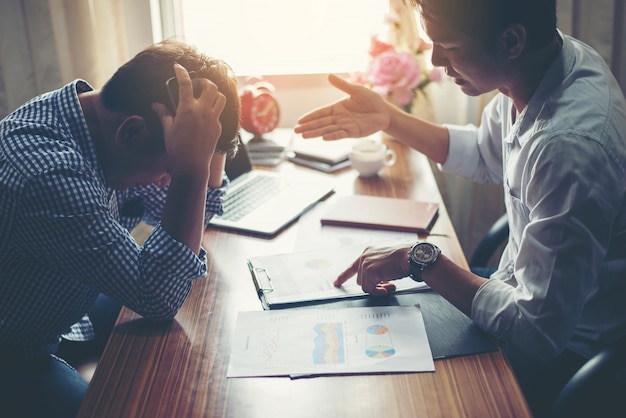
(397, 72)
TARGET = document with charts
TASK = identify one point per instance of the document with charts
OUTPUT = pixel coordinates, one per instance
(306, 342)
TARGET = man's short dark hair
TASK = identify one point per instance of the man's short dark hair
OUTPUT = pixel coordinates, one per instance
(486, 19)
(141, 81)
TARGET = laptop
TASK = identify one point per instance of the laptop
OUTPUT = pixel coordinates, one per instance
(264, 202)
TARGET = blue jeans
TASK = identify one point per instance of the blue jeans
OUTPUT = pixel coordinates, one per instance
(40, 387)
(48, 386)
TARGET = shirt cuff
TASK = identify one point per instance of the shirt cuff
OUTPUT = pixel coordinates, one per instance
(493, 308)
(187, 263)
(214, 201)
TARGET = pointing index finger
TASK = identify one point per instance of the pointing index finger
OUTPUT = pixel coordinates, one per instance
(346, 274)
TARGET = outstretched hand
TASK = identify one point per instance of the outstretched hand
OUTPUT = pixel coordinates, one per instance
(360, 114)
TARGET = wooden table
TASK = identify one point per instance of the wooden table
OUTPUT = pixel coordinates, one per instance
(178, 369)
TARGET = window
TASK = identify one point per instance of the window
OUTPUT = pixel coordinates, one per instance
(274, 37)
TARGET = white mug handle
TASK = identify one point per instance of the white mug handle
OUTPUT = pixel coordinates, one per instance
(390, 158)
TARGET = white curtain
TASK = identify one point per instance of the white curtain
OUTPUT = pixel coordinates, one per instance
(407, 24)
(601, 24)
(47, 43)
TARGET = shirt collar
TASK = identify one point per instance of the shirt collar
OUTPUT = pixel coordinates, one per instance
(552, 79)
(78, 124)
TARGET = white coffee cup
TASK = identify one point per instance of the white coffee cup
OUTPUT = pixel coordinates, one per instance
(368, 157)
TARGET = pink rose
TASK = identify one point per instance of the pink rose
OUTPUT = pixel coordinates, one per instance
(394, 75)
(377, 46)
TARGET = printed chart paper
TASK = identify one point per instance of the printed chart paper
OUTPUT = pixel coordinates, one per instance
(305, 342)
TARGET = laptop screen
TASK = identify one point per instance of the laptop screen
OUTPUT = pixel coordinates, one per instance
(239, 164)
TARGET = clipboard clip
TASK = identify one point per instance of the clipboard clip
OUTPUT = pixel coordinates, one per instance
(262, 280)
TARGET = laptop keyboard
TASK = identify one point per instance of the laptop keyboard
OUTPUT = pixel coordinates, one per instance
(240, 202)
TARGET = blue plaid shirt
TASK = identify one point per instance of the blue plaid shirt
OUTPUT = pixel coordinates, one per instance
(64, 234)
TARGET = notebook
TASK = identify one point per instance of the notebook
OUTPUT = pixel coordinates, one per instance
(327, 156)
(330, 152)
(264, 202)
(319, 165)
(382, 213)
(271, 149)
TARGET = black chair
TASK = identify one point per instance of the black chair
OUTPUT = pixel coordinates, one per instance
(490, 242)
(598, 388)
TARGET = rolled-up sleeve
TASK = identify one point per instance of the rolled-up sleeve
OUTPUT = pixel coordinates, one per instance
(476, 152)
(169, 268)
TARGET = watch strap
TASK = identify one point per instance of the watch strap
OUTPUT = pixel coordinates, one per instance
(416, 272)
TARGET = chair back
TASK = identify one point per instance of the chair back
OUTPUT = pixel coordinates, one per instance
(598, 388)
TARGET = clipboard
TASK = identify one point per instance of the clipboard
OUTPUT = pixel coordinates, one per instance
(306, 277)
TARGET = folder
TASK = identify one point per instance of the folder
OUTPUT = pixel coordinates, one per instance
(364, 211)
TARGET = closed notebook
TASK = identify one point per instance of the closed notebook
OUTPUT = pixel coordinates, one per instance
(364, 211)
(316, 149)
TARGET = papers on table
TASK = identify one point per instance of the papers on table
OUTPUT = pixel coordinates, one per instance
(305, 342)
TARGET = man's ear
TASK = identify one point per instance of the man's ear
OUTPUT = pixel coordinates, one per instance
(513, 41)
(132, 134)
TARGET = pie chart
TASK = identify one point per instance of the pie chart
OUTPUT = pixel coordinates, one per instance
(378, 342)
(380, 351)
(377, 329)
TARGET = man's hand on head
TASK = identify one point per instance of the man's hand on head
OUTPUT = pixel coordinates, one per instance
(191, 136)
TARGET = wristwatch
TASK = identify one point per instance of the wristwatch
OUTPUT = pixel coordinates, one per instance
(421, 255)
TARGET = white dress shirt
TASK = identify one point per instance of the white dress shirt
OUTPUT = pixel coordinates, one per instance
(561, 282)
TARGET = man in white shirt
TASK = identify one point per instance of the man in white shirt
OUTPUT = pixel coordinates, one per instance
(555, 137)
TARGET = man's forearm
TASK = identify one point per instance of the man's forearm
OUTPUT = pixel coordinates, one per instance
(183, 214)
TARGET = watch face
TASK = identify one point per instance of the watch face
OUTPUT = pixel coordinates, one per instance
(424, 253)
